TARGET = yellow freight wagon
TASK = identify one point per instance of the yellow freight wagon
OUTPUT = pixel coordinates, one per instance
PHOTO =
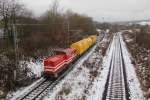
(93, 37)
(78, 46)
(85, 44)
(82, 45)
(90, 42)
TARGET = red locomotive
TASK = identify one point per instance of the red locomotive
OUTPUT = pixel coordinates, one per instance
(55, 64)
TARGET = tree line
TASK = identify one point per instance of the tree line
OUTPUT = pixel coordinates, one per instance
(54, 27)
(36, 35)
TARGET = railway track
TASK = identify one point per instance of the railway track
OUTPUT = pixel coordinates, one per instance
(41, 88)
(116, 86)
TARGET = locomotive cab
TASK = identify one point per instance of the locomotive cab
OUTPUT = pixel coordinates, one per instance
(69, 54)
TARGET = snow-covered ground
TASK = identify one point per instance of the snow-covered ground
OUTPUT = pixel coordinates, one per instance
(98, 87)
(35, 68)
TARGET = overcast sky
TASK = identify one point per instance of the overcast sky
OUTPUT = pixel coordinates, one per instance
(100, 10)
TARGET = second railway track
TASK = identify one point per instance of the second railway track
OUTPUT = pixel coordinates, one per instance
(116, 86)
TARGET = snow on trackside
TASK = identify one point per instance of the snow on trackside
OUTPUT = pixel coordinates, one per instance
(21, 91)
(96, 92)
(134, 85)
(35, 68)
(78, 83)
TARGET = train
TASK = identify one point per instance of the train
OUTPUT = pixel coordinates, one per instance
(55, 64)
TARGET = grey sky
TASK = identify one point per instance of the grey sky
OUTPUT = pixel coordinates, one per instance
(111, 10)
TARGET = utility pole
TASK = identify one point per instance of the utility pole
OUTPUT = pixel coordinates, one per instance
(16, 49)
(103, 19)
(68, 32)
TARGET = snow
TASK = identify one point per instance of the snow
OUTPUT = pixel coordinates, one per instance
(129, 40)
(144, 23)
(107, 30)
(134, 85)
(98, 30)
(99, 84)
(36, 68)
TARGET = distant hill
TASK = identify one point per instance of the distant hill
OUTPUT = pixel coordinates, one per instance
(140, 22)
(143, 23)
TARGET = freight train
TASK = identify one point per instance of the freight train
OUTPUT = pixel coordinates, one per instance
(55, 64)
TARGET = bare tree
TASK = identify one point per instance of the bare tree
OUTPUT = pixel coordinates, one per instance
(55, 20)
(9, 9)
(4, 12)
